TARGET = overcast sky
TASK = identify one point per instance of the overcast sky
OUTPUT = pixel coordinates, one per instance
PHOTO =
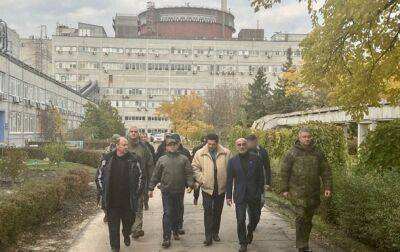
(26, 16)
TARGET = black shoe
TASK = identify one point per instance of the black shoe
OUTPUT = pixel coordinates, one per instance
(216, 238)
(249, 237)
(208, 241)
(243, 248)
(176, 236)
(166, 243)
(114, 250)
(137, 234)
(195, 202)
(127, 241)
(307, 249)
(181, 231)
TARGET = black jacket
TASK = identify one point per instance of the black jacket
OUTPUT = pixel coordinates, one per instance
(247, 187)
(136, 178)
(263, 155)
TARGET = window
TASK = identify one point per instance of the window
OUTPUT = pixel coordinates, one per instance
(113, 66)
(2, 80)
(84, 32)
(89, 65)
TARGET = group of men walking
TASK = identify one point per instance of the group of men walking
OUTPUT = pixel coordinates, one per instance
(128, 175)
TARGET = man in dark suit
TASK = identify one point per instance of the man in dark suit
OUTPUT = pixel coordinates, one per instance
(245, 172)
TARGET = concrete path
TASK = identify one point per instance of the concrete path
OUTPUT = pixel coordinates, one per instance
(273, 233)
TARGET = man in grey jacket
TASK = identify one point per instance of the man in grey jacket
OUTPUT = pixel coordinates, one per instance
(174, 172)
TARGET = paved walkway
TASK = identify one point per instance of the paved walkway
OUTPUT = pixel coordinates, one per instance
(273, 233)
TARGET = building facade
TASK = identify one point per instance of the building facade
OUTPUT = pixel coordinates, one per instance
(24, 94)
(137, 75)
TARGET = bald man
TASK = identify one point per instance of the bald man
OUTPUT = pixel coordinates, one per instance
(245, 172)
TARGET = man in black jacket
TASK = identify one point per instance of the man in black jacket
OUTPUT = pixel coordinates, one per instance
(120, 180)
(245, 173)
(255, 148)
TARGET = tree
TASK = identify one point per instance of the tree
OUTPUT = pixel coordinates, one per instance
(258, 97)
(186, 114)
(102, 121)
(51, 122)
(224, 107)
(354, 53)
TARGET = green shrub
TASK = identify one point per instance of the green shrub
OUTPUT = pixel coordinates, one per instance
(36, 201)
(12, 163)
(55, 152)
(380, 151)
(87, 157)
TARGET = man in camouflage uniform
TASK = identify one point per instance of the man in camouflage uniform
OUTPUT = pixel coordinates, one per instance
(139, 148)
(302, 170)
(113, 144)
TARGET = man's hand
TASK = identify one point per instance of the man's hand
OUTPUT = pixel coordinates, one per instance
(150, 194)
(267, 188)
(229, 202)
(328, 193)
(286, 194)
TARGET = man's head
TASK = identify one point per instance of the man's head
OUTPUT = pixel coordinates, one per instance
(144, 137)
(177, 137)
(171, 145)
(115, 139)
(212, 141)
(305, 137)
(133, 133)
(122, 146)
(241, 145)
(252, 141)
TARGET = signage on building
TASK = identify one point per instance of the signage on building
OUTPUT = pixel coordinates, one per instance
(188, 18)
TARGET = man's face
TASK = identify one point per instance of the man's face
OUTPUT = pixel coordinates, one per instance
(212, 145)
(305, 138)
(172, 147)
(122, 146)
(144, 138)
(241, 146)
(252, 144)
(133, 133)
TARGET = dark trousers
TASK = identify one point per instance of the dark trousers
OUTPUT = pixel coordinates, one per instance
(261, 205)
(212, 213)
(196, 193)
(304, 217)
(181, 211)
(115, 216)
(253, 207)
(171, 207)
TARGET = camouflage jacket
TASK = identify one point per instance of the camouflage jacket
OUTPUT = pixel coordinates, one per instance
(302, 171)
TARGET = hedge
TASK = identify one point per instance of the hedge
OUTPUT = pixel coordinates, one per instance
(35, 202)
(87, 157)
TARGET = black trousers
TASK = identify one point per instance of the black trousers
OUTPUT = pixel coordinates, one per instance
(181, 212)
(115, 216)
(212, 213)
(253, 208)
(196, 193)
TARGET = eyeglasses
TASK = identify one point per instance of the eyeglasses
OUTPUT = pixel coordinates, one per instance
(243, 144)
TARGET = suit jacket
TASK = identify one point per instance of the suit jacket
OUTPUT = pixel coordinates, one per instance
(247, 187)
(263, 155)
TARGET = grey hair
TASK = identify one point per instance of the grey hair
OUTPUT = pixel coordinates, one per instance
(304, 130)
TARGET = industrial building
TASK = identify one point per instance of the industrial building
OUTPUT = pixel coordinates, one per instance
(175, 51)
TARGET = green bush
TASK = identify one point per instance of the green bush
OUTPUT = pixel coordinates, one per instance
(380, 151)
(55, 152)
(87, 157)
(36, 201)
(12, 163)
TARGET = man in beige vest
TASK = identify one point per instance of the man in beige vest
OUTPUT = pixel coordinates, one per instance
(210, 172)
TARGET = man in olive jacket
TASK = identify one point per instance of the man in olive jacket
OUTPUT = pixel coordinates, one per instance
(174, 172)
(139, 148)
(302, 170)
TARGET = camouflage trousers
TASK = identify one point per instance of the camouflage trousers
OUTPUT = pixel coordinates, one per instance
(304, 216)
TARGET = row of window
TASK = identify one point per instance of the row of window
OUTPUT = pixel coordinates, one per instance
(136, 104)
(24, 90)
(153, 91)
(118, 66)
(143, 118)
(176, 51)
(30, 123)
